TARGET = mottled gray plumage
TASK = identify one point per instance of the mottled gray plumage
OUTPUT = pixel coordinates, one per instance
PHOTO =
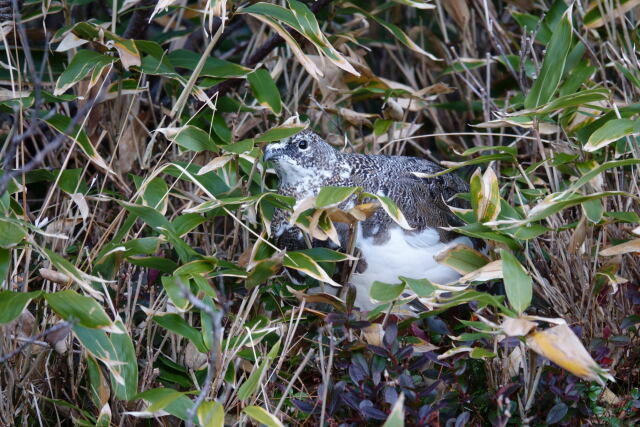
(305, 163)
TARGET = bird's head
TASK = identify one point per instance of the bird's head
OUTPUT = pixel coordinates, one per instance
(304, 157)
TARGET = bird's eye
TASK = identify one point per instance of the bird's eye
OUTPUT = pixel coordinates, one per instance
(303, 145)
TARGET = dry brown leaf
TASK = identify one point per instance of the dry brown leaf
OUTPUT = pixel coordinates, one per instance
(517, 327)
(216, 163)
(459, 11)
(578, 237)
(58, 339)
(356, 118)
(193, 359)
(320, 297)
(491, 271)
(54, 276)
(393, 111)
(622, 248)
(373, 334)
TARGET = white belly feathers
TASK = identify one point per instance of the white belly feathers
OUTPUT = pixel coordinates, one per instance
(408, 255)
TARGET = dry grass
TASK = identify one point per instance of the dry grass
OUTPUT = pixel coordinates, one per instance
(49, 381)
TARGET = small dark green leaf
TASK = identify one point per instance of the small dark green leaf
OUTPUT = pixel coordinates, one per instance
(265, 90)
(13, 303)
(333, 196)
(70, 305)
(517, 282)
(178, 325)
(386, 292)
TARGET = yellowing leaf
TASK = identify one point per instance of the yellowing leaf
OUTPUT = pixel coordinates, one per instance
(304, 263)
(485, 195)
(262, 416)
(392, 210)
(462, 258)
(490, 271)
(611, 131)
(306, 62)
(593, 17)
(128, 52)
(211, 414)
(560, 345)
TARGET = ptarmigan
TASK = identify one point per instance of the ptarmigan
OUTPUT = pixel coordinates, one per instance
(305, 163)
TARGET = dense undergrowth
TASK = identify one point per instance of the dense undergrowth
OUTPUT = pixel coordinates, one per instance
(136, 272)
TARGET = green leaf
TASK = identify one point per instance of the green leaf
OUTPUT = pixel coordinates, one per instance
(462, 259)
(325, 255)
(333, 196)
(5, 262)
(311, 30)
(190, 137)
(213, 67)
(485, 195)
(127, 357)
(163, 265)
(481, 353)
(422, 287)
(517, 282)
(386, 292)
(166, 399)
(211, 414)
(593, 210)
(99, 389)
(553, 64)
(155, 193)
(78, 135)
(304, 263)
(263, 270)
(573, 100)
(72, 306)
(187, 222)
(400, 35)
(279, 132)
(391, 209)
(14, 303)
(178, 325)
(611, 131)
(97, 343)
(10, 234)
(249, 387)
(261, 416)
(174, 292)
(265, 90)
(149, 215)
(83, 63)
(554, 203)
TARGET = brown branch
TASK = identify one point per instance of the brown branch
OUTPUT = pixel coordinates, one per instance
(262, 52)
(32, 340)
(139, 21)
(50, 145)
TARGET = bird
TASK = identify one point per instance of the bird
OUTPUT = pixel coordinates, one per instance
(305, 163)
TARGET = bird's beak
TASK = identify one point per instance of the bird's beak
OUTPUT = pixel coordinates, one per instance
(272, 151)
(268, 153)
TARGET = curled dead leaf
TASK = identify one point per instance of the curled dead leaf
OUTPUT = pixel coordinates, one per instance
(54, 276)
(561, 345)
(623, 248)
